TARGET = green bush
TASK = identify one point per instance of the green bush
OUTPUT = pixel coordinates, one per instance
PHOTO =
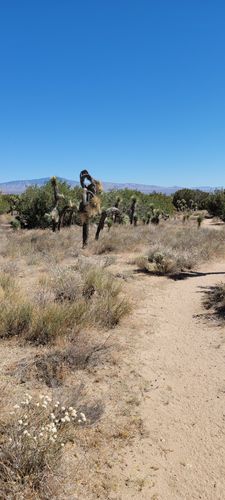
(36, 202)
(192, 198)
(216, 204)
(15, 224)
(145, 202)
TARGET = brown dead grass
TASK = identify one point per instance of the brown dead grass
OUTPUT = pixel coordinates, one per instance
(71, 299)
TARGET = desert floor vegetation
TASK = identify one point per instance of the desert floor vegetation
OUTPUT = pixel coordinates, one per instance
(214, 301)
(59, 310)
(176, 249)
(71, 391)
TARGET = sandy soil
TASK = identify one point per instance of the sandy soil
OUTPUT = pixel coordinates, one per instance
(179, 353)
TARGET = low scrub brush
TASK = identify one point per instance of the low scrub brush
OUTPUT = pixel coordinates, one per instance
(33, 439)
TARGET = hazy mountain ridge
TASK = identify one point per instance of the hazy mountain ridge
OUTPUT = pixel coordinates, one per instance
(18, 187)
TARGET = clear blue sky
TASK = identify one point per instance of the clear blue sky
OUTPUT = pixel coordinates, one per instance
(131, 90)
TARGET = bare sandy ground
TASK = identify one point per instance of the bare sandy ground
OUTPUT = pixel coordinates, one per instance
(179, 353)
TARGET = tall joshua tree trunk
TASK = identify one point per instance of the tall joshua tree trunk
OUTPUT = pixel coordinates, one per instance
(85, 233)
(132, 209)
(113, 212)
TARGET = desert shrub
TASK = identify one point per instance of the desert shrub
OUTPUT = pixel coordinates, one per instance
(65, 283)
(4, 204)
(15, 224)
(200, 219)
(15, 317)
(215, 299)
(192, 198)
(179, 248)
(144, 201)
(36, 202)
(216, 203)
(67, 301)
(108, 310)
(32, 445)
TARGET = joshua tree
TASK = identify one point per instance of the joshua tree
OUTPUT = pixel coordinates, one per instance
(135, 219)
(116, 217)
(132, 210)
(155, 217)
(110, 212)
(57, 214)
(90, 203)
(199, 220)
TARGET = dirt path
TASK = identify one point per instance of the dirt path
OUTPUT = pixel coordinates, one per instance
(179, 355)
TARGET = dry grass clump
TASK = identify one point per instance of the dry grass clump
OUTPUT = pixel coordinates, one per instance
(32, 441)
(121, 239)
(215, 299)
(15, 312)
(69, 300)
(38, 245)
(176, 249)
(53, 366)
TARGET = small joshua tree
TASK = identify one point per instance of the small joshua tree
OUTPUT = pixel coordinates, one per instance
(199, 220)
(58, 213)
(110, 212)
(117, 218)
(155, 217)
(132, 210)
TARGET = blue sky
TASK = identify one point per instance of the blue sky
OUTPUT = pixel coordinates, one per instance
(131, 90)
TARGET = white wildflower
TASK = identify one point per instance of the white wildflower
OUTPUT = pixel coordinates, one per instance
(52, 416)
(63, 420)
(26, 433)
(20, 422)
(41, 396)
(71, 408)
(62, 444)
(83, 417)
(67, 418)
(37, 404)
(44, 406)
(74, 413)
(16, 407)
(41, 434)
(63, 408)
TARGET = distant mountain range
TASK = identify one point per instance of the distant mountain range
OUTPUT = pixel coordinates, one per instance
(18, 187)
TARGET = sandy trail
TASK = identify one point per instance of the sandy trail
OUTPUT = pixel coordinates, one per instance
(180, 356)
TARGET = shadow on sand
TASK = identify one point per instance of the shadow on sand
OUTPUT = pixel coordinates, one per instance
(182, 275)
